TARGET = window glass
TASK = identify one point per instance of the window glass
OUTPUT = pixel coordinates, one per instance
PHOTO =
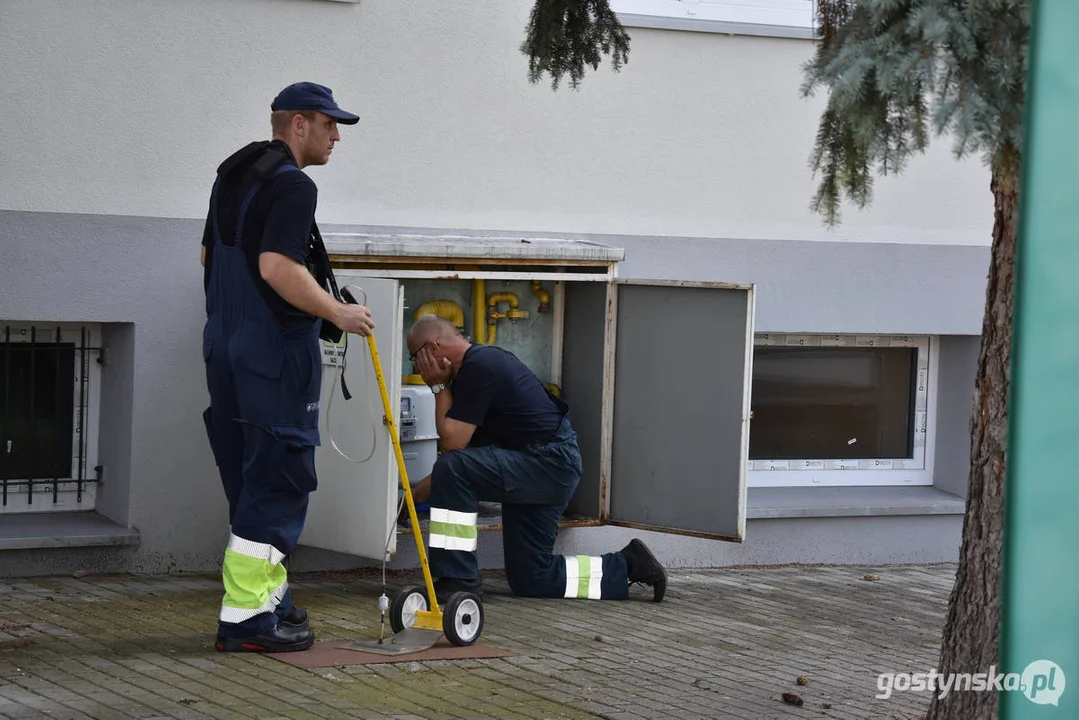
(37, 384)
(828, 403)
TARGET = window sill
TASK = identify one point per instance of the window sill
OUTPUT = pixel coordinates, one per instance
(29, 531)
(721, 27)
(795, 502)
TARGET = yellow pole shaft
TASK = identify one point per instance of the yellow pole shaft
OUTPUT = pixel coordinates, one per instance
(388, 410)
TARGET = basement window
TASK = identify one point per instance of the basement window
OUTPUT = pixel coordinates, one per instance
(49, 406)
(840, 410)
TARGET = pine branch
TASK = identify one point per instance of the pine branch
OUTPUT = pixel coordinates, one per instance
(898, 71)
(563, 36)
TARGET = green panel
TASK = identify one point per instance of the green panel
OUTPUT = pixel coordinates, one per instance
(1041, 585)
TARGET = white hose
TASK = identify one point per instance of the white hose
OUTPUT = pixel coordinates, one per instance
(367, 390)
(333, 443)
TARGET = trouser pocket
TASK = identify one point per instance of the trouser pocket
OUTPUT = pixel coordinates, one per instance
(280, 458)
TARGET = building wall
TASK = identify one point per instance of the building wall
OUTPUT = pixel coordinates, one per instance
(138, 277)
(127, 108)
(693, 158)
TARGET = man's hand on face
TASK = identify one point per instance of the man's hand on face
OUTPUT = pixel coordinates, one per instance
(433, 370)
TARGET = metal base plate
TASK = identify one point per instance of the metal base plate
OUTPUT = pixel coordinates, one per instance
(409, 640)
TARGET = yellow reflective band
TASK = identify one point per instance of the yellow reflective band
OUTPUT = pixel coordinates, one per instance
(254, 578)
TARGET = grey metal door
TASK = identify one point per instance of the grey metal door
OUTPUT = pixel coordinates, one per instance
(682, 369)
(583, 387)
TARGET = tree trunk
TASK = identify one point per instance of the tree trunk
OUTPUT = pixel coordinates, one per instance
(971, 634)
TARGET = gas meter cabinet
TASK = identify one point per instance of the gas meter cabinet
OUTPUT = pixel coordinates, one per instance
(656, 373)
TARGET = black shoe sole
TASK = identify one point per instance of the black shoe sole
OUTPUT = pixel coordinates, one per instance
(249, 645)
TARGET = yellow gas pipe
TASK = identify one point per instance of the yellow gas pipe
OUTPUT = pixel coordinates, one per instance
(542, 295)
(479, 324)
(443, 308)
(493, 316)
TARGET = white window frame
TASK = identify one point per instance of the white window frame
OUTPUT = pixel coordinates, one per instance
(845, 472)
(769, 18)
(67, 496)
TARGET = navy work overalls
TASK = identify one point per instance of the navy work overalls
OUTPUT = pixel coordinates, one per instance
(264, 382)
(534, 485)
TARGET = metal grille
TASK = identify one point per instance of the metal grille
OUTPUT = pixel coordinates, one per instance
(44, 396)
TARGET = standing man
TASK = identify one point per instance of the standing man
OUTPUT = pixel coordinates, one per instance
(506, 439)
(267, 305)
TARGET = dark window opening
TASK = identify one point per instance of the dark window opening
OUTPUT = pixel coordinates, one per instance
(833, 403)
(37, 390)
(44, 393)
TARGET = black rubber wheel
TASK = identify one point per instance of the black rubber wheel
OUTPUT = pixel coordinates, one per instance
(404, 607)
(462, 618)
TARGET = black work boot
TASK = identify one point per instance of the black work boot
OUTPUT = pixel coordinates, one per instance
(645, 569)
(296, 618)
(282, 638)
(444, 587)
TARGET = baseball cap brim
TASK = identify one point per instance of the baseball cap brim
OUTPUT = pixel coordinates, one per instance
(341, 116)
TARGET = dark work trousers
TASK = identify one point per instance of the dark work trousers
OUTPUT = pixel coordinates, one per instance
(534, 485)
(262, 423)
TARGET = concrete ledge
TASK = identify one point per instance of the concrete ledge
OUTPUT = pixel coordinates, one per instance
(804, 502)
(28, 531)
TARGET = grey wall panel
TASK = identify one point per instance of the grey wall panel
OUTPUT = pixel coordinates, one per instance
(117, 401)
(860, 541)
(810, 286)
(835, 540)
(145, 274)
(955, 394)
(680, 366)
(830, 287)
(582, 384)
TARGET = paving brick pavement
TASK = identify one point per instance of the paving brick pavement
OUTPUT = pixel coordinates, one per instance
(727, 643)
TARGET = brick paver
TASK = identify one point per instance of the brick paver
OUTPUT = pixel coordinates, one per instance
(726, 643)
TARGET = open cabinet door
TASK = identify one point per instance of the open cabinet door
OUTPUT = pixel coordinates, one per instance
(583, 352)
(680, 432)
(354, 509)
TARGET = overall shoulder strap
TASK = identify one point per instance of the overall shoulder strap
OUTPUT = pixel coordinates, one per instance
(213, 210)
(281, 169)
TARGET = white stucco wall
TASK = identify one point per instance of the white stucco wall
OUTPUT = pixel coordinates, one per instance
(116, 107)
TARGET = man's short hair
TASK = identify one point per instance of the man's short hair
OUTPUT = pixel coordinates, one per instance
(433, 327)
(281, 119)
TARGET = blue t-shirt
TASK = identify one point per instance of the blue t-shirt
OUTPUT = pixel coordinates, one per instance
(280, 219)
(497, 392)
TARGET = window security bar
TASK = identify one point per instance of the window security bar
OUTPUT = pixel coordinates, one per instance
(44, 397)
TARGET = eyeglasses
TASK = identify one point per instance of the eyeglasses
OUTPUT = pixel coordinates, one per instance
(412, 355)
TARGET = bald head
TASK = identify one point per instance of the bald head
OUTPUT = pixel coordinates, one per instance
(432, 327)
(441, 336)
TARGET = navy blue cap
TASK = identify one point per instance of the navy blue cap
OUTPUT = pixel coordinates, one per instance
(310, 96)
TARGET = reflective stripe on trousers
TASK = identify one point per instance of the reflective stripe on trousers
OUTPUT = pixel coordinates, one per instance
(453, 530)
(249, 572)
(584, 577)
